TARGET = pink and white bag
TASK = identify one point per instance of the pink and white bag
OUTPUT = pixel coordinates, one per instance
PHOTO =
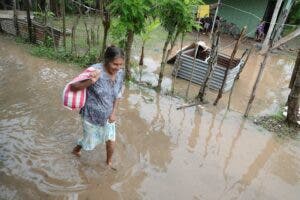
(76, 100)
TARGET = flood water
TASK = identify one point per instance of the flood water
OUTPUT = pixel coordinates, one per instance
(161, 153)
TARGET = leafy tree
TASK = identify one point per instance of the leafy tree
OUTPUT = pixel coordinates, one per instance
(176, 17)
(133, 15)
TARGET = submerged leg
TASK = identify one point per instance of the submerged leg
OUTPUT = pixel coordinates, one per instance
(110, 145)
(76, 150)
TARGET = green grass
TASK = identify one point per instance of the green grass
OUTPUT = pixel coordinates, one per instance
(64, 56)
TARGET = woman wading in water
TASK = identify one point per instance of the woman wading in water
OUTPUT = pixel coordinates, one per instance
(99, 112)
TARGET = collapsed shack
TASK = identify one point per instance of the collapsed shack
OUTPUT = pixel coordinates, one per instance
(185, 67)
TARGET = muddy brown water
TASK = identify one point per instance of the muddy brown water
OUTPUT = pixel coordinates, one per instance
(161, 153)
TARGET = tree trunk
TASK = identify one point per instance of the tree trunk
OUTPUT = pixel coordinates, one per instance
(163, 61)
(128, 46)
(87, 36)
(73, 41)
(141, 62)
(64, 22)
(106, 26)
(105, 17)
(272, 24)
(294, 96)
(29, 24)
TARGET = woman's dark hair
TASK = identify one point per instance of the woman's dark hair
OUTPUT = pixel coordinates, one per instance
(112, 52)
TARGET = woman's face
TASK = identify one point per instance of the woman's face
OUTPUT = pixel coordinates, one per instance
(115, 65)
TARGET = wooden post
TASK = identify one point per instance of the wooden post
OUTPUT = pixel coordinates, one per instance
(295, 70)
(259, 75)
(238, 74)
(177, 65)
(211, 64)
(63, 12)
(29, 24)
(294, 96)
(245, 62)
(16, 18)
(215, 17)
(229, 64)
(193, 69)
(272, 24)
(285, 39)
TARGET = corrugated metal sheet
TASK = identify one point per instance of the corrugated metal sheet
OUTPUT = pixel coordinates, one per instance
(201, 66)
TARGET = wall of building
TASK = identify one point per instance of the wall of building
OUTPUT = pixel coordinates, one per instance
(257, 7)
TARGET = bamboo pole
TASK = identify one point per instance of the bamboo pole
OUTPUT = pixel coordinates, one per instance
(229, 64)
(281, 20)
(248, 51)
(266, 42)
(259, 75)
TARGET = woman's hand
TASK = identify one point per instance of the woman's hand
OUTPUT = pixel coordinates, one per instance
(112, 118)
(95, 75)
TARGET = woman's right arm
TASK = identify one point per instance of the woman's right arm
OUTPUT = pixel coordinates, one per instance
(80, 85)
(86, 83)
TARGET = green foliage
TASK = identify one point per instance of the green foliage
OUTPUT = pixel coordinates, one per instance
(131, 13)
(178, 14)
(150, 27)
(117, 32)
(48, 42)
(89, 2)
(294, 16)
(41, 16)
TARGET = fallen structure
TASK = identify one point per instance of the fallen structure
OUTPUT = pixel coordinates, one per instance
(186, 63)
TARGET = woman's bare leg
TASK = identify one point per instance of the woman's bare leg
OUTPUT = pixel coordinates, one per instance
(110, 145)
